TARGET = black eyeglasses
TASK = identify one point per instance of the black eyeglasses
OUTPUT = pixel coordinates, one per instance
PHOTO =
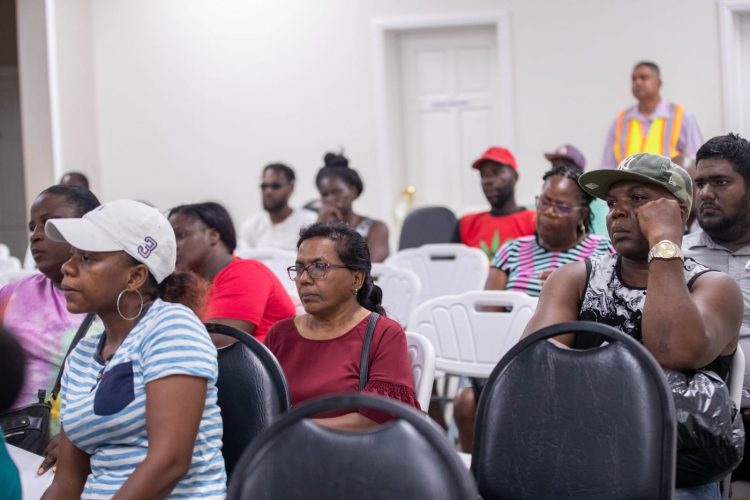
(271, 185)
(317, 270)
(543, 203)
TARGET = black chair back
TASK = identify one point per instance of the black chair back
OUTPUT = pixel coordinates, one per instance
(427, 225)
(554, 422)
(297, 459)
(252, 391)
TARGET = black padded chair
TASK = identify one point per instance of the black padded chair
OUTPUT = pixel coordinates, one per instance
(554, 422)
(427, 225)
(252, 391)
(297, 459)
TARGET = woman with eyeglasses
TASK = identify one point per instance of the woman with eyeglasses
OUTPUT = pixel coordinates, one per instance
(339, 185)
(522, 265)
(243, 293)
(320, 351)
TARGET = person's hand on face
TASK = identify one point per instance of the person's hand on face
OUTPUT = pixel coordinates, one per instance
(660, 219)
(329, 213)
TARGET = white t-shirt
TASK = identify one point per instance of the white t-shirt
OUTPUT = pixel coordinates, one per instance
(260, 232)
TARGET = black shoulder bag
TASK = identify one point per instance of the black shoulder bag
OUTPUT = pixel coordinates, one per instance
(364, 365)
(28, 427)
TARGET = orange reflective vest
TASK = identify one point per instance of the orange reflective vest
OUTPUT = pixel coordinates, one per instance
(661, 139)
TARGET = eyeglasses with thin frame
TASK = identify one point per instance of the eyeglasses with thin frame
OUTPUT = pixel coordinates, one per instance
(271, 185)
(543, 203)
(317, 270)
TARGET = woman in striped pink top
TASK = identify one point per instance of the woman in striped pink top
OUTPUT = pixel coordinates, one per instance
(522, 265)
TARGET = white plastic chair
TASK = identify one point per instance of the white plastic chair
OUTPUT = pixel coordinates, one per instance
(422, 361)
(444, 268)
(401, 290)
(8, 263)
(8, 276)
(468, 340)
(736, 381)
(277, 261)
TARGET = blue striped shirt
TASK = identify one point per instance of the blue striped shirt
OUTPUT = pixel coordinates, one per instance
(104, 405)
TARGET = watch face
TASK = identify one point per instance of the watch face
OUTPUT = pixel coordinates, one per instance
(666, 250)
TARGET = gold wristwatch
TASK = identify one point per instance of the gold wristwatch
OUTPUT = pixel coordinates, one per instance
(665, 250)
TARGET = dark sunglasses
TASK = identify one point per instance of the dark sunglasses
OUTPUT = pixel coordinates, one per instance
(271, 185)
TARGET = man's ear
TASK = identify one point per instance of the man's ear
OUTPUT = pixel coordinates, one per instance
(685, 212)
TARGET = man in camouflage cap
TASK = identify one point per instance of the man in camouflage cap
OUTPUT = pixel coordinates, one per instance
(686, 316)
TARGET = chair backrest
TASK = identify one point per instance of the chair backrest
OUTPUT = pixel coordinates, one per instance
(404, 458)
(422, 361)
(554, 422)
(12, 275)
(252, 391)
(7, 261)
(427, 225)
(401, 290)
(444, 269)
(468, 338)
(276, 260)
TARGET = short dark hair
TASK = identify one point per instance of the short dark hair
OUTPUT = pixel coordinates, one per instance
(352, 249)
(78, 176)
(573, 174)
(649, 64)
(282, 169)
(214, 216)
(731, 147)
(80, 198)
(337, 165)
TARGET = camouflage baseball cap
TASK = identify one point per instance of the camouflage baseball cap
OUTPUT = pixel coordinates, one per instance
(643, 167)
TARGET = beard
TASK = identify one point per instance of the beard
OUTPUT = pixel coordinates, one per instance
(500, 196)
(727, 228)
(273, 205)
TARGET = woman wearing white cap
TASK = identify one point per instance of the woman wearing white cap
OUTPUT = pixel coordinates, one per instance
(139, 412)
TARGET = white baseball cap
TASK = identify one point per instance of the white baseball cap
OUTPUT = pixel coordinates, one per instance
(137, 229)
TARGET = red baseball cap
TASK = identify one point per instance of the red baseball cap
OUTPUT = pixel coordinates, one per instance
(498, 155)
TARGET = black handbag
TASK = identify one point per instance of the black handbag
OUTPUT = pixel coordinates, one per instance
(710, 434)
(28, 427)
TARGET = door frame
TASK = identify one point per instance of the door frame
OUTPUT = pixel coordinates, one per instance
(386, 79)
(729, 36)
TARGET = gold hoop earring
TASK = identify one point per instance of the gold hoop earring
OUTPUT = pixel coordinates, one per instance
(140, 309)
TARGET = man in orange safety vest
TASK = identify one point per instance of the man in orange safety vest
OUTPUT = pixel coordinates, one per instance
(653, 125)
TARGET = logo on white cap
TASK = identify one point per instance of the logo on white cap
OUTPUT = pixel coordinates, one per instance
(149, 245)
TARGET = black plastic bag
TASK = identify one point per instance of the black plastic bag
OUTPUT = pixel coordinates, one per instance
(710, 434)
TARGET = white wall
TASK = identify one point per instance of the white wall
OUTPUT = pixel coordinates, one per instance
(189, 99)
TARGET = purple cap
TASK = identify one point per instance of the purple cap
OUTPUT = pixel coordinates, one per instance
(567, 152)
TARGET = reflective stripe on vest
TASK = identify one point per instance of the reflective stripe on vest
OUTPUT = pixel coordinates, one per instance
(661, 139)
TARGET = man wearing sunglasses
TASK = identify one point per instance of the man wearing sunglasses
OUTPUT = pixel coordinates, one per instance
(279, 224)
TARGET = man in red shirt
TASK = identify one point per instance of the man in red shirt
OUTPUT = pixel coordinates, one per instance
(505, 220)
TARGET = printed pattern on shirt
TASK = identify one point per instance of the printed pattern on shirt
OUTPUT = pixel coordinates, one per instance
(523, 260)
(104, 406)
(609, 301)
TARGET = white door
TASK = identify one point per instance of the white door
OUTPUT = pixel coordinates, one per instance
(450, 112)
(744, 25)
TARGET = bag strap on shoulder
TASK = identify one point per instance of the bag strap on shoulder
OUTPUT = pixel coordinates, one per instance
(365, 361)
(80, 333)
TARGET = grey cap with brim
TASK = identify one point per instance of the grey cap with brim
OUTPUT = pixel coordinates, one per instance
(643, 167)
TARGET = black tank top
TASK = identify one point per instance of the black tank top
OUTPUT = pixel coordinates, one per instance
(608, 300)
